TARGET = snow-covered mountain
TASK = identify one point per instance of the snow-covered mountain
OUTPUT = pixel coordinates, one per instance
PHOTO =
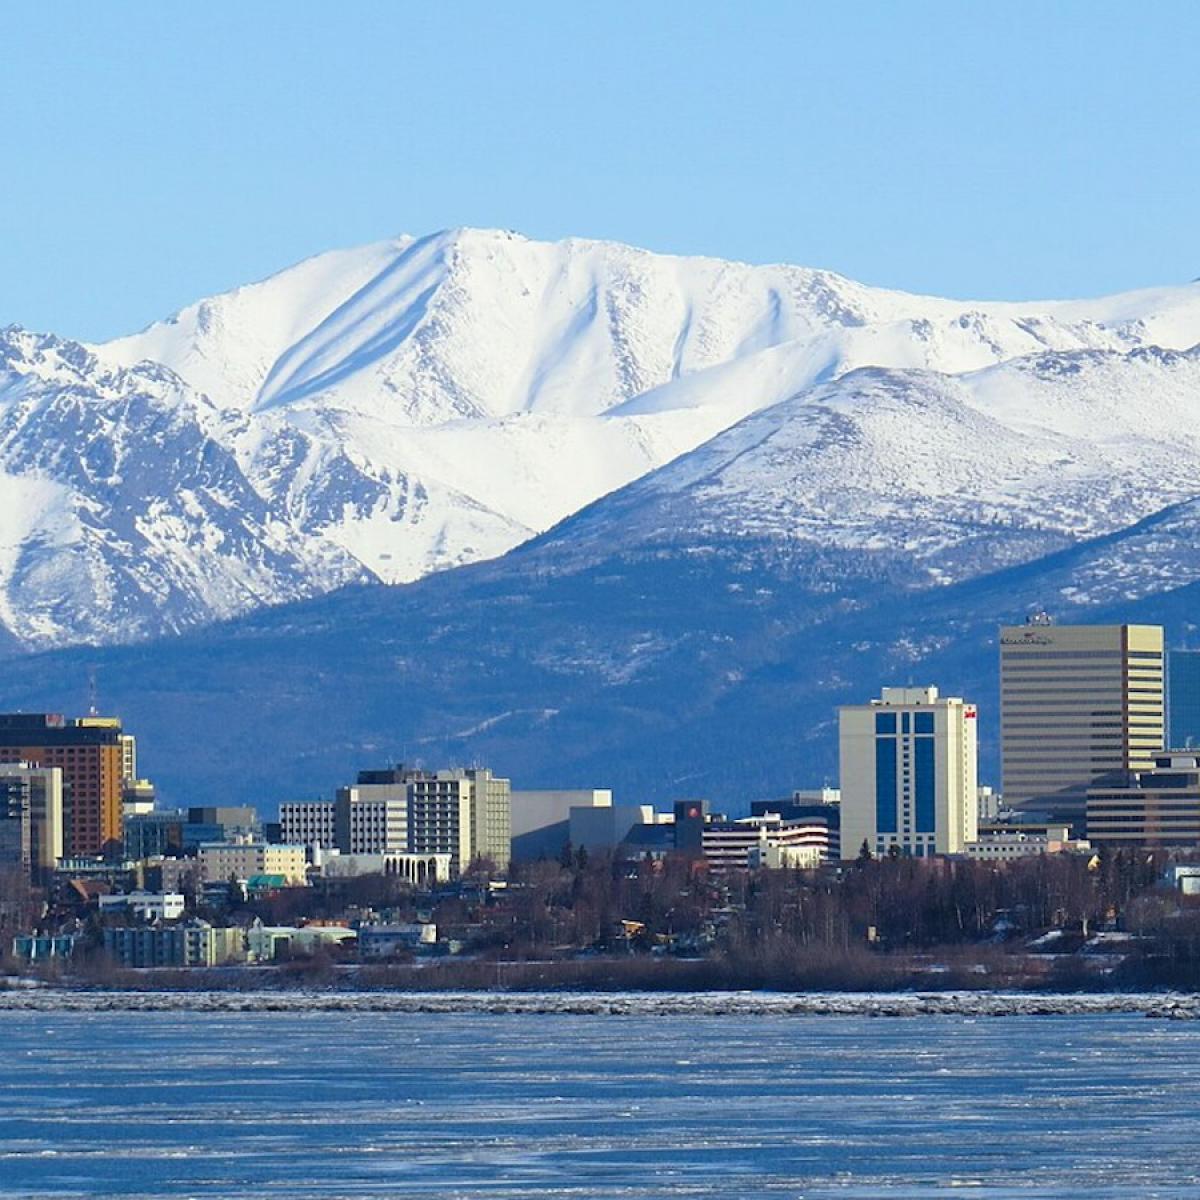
(387, 412)
(693, 633)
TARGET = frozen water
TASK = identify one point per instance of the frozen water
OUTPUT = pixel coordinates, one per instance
(654, 1102)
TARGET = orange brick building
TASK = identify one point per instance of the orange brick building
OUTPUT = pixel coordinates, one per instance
(90, 752)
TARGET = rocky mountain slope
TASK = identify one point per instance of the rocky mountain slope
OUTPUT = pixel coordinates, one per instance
(382, 413)
(694, 632)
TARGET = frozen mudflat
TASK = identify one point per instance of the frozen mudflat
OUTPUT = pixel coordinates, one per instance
(467, 1101)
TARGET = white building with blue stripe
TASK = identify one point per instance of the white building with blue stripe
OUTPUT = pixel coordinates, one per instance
(908, 774)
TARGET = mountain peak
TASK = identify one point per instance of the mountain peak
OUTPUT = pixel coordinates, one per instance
(423, 402)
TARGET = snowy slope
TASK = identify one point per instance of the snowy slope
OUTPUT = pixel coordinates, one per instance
(388, 411)
(693, 633)
(951, 476)
(120, 517)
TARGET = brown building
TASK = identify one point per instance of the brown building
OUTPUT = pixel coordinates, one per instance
(89, 752)
(1160, 807)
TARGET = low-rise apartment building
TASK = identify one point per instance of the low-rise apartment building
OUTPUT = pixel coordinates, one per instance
(188, 944)
(222, 861)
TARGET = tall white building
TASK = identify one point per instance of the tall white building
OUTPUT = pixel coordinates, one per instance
(908, 773)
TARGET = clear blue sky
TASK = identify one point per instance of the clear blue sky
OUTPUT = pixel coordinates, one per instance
(154, 153)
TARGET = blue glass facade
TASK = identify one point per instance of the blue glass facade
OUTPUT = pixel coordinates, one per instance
(1183, 699)
(886, 799)
(925, 782)
(906, 780)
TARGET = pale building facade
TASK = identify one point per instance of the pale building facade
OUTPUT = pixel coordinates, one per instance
(308, 822)
(221, 861)
(764, 841)
(908, 774)
(33, 813)
(372, 818)
(1078, 704)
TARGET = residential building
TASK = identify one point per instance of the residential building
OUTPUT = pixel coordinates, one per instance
(1078, 703)
(384, 941)
(1183, 700)
(222, 861)
(173, 874)
(308, 823)
(187, 944)
(265, 943)
(90, 754)
(1156, 807)
(36, 947)
(908, 773)
(1185, 878)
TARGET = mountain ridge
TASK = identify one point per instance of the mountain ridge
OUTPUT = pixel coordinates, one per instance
(388, 411)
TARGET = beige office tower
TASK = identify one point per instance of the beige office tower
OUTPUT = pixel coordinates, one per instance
(1079, 704)
(491, 816)
(464, 813)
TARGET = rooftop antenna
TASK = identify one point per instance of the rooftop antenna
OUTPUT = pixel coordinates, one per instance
(93, 709)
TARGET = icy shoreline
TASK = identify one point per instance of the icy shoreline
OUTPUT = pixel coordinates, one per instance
(1171, 1006)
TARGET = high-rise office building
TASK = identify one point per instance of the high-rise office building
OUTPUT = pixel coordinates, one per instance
(372, 816)
(1183, 700)
(491, 816)
(308, 823)
(1079, 704)
(464, 813)
(90, 755)
(31, 809)
(908, 774)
